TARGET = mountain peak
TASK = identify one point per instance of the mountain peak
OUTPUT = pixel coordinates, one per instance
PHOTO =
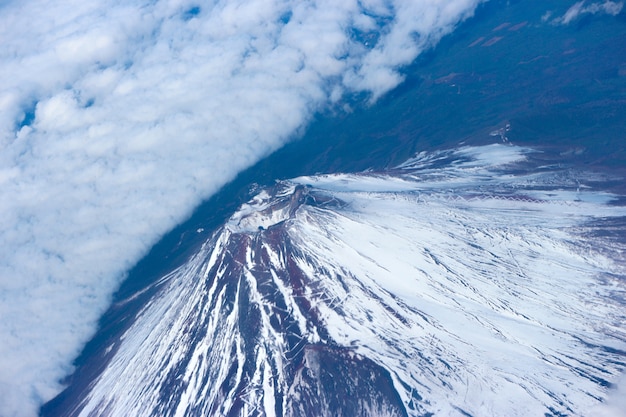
(402, 293)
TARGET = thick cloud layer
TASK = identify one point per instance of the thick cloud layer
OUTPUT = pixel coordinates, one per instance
(118, 117)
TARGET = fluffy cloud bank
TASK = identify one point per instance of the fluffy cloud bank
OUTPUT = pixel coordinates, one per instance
(118, 117)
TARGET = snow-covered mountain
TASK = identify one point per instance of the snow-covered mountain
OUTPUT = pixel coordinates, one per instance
(467, 282)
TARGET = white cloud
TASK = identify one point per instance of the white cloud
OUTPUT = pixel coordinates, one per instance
(578, 9)
(615, 405)
(118, 117)
(417, 25)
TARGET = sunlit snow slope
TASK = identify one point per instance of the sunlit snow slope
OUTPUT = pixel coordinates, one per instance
(467, 282)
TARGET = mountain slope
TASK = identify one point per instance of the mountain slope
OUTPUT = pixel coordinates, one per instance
(467, 282)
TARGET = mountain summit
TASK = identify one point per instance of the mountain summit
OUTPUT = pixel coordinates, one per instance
(456, 284)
